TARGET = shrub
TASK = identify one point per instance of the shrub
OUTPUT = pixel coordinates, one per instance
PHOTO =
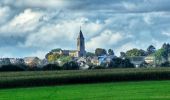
(51, 67)
(11, 68)
(71, 66)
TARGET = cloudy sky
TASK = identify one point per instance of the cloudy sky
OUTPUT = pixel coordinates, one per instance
(34, 27)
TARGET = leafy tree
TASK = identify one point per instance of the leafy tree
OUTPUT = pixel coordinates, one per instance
(151, 49)
(71, 65)
(135, 52)
(110, 52)
(160, 53)
(64, 59)
(120, 63)
(11, 67)
(53, 57)
(56, 50)
(100, 52)
(166, 48)
(165, 64)
(90, 54)
(52, 67)
(122, 55)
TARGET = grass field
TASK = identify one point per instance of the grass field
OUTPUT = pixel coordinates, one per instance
(146, 90)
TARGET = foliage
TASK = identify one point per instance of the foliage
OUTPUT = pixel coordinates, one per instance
(159, 54)
(100, 52)
(135, 52)
(122, 55)
(51, 67)
(56, 50)
(64, 59)
(120, 63)
(11, 68)
(53, 57)
(151, 49)
(71, 65)
(110, 52)
(90, 54)
(165, 64)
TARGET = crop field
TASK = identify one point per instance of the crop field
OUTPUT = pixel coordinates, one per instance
(143, 90)
(51, 78)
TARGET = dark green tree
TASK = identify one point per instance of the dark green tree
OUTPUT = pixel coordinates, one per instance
(100, 52)
(71, 66)
(135, 52)
(110, 52)
(51, 67)
(151, 49)
(90, 54)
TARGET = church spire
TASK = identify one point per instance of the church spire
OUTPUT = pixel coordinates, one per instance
(81, 44)
(81, 34)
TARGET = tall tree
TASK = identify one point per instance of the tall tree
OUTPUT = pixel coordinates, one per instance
(110, 52)
(135, 52)
(151, 49)
(100, 52)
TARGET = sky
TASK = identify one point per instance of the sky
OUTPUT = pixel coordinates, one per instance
(34, 27)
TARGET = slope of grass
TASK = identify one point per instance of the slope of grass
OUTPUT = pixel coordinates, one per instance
(146, 90)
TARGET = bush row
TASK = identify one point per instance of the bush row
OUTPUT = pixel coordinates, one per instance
(77, 77)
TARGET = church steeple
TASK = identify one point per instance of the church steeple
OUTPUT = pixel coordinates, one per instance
(80, 34)
(80, 44)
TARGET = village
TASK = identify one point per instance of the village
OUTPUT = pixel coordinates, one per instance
(100, 59)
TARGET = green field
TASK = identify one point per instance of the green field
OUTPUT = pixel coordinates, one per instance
(146, 90)
(51, 78)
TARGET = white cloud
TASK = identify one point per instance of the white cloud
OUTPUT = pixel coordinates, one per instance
(62, 34)
(105, 40)
(22, 23)
(35, 3)
(40, 54)
(4, 14)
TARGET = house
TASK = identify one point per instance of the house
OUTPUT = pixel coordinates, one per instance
(150, 59)
(82, 63)
(17, 61)
(137, 60)
(32, 61)
(4, 61)
(106, 59)
(95, 60)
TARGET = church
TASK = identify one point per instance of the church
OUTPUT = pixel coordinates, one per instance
(80, 52)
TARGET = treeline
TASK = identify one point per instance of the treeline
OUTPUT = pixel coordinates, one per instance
(71, 65)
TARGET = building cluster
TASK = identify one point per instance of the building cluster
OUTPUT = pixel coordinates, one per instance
(78, 56)
(29, 61)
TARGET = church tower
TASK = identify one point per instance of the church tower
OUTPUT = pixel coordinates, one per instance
(81, 45)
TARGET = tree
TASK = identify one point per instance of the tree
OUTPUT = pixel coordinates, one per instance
(71, 65)
(64, 59)
(135, 52)
(100, 52)
(90, 54)
(11, 67)
(120, 63)
(151, 49)
(52, 67)
(122, 55)
(110, 52)
(53, 57)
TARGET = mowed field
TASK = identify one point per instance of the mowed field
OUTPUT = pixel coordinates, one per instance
(143, 90)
